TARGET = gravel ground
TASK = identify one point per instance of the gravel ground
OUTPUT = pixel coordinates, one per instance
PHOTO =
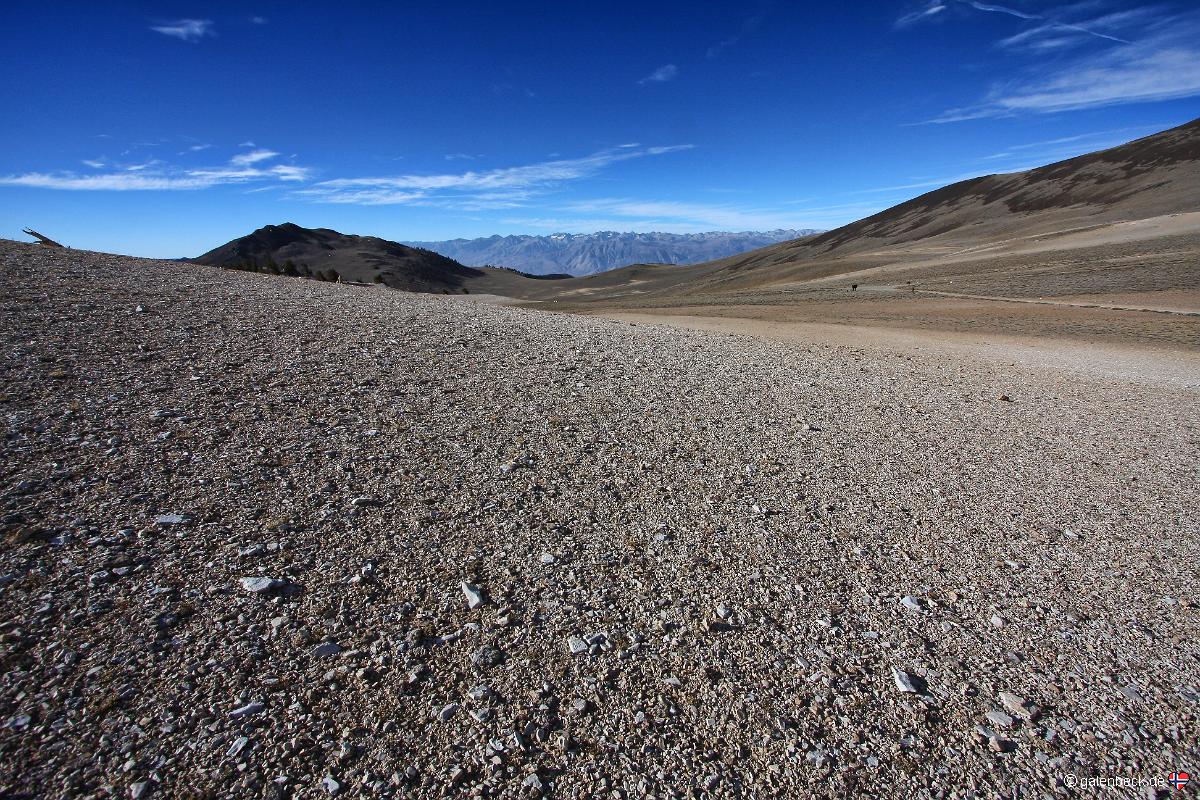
(239, 512)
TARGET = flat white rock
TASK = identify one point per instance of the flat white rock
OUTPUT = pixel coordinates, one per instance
(904, 681)
(247, 710)
(473, 594)
(261, 585)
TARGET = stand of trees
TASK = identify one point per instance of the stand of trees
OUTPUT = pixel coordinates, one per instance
(289, 268)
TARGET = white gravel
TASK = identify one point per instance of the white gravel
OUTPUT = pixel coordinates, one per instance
(750, 545)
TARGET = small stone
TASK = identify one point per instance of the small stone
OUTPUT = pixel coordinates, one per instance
(1132, 692)
(906, 682)
(533, 782)
(170, 519)
(1017, 706)
(474, 595)
(238, 745)
(577, 645)
(999, 718)
(247, 710)
(138, 790)
(911, 603)
(327, 649)
(548, 558)
(480, 691)
(487, 657)
(329, 784)
(262, 585)
(1001, 745)
(997, 621)
(723, 611)
(447, 713)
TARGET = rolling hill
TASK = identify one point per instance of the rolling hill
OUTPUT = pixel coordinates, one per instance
(328, 255)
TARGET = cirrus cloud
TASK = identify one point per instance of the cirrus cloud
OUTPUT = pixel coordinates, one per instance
(663, 74)
(159, 176)
(187, 30)
(503, 187)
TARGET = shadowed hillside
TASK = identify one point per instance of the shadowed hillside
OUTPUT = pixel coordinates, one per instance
(325, 254)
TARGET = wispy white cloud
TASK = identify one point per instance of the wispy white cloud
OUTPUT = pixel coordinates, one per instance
(259, 20)
(1012, 12)
(1086, 141)
(749, 25)
(1162, 62)
(156, 175)
(188, 30)
(116, 181)
(911, 18)
(1057, 27)
(253, 157)
(460, 157)
(94, 163)
(663, 74)
(504, 187)
(1056, 34)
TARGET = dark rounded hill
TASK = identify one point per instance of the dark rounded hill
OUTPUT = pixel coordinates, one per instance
(325, 254)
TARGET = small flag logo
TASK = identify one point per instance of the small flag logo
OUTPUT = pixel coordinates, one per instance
(1179, 780)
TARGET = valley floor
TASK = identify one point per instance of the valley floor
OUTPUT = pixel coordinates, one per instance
(709, 564)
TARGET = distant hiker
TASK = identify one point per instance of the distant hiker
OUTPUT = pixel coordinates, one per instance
(854, 287)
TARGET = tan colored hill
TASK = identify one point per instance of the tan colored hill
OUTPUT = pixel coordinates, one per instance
(1146, 189)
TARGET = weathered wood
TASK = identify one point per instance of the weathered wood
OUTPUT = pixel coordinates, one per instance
(43, 239)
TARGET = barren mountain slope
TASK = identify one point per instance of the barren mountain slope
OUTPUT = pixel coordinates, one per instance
(1093, 198)
(1149, 177)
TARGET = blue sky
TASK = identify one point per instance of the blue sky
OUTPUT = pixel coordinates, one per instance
(165, 129)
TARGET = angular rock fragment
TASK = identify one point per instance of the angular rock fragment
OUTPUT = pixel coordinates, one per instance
(247, 710)
(907, 682)
(474, 595)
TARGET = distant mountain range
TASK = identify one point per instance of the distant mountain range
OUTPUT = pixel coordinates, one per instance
(585, 253)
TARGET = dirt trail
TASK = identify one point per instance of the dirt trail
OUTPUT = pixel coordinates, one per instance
(1149, 309)
(1144, 365)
